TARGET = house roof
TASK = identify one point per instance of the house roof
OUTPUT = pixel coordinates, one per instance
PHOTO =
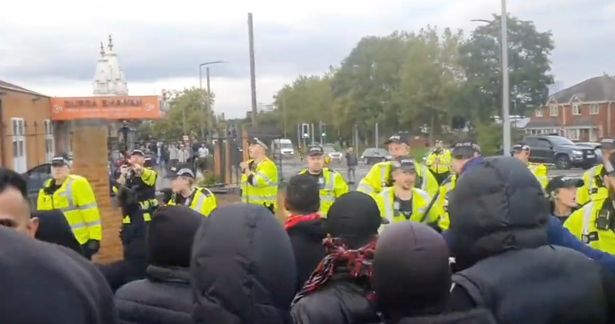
(12, 87)
(600, 88)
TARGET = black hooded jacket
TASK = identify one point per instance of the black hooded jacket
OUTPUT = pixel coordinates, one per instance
(165, 296)
(242, 267)
(306, 238)
(47, 283)
(54, 228)
(498, 224)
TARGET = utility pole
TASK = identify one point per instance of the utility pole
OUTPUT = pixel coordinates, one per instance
(356, 139)
(252, 70)
(376, 135)
(284, 114)
(505, 85)
(202, 114)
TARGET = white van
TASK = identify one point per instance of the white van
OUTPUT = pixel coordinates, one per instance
(282, 147)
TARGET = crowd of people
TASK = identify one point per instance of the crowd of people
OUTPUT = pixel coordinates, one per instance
(489, 243)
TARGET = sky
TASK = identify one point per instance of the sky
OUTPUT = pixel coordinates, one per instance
(52, 46)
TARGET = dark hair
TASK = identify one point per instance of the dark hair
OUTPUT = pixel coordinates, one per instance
(10, 178)
(302, 194)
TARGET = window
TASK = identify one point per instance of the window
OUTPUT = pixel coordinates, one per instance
(49, 141)
(573, 134)
(553, 110)
(594, 109)
(539, 113)
(576, 109)
(19, 145)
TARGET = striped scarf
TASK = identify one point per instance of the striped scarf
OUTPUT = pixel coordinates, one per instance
(358, 262)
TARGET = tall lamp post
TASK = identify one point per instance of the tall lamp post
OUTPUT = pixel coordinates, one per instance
(201, 120)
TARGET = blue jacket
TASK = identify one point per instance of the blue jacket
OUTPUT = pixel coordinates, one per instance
(559, 235)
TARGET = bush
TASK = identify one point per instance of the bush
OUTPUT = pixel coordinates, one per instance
(489, 137)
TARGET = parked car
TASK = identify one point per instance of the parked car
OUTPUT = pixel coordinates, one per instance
(282, 147)
(374, 155)
(35, 179)
(560, 151)
(333, 154)
(594, 146)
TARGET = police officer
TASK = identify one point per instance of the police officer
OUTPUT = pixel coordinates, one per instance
(562, 192)
(439, 162)
(593, 188)
(135, 175)
(259, 180)
(73, 195)
(594, 224)
(186, 193)
(462, 154)
(379, 176)
(403, 202)
(540, 171)
(332, 184)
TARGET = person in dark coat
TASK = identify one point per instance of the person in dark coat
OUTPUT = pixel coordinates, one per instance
(242, 268)
(47, 283)
(339, 290)
(54, 228)
(499, 217)
(165, 295)
(132, 235)
(412, 278)
(304, 224)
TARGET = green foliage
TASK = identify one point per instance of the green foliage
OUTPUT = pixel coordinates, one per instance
(191, 105)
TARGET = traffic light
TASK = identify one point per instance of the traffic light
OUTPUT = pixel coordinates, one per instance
(305, 130)
(323, 130)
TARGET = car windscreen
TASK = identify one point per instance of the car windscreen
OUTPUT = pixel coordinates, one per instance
(561, 141)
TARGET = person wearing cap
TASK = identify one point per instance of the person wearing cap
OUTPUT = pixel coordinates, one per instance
(331, 183)
(136, 176)
(562, 192)
(259, 180)
(73, 195)
(464, 154)
(439, 162)
(379, 176)
(594, 224)
(522, 153)
(403, 202)
(187, 194)
(593, 187)
(340, 288)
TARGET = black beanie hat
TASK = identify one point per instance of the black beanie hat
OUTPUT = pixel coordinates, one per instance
(170, 236)
(354, 217)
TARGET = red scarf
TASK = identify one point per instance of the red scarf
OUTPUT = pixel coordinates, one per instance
(293, 220)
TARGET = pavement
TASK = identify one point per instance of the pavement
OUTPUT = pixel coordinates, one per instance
(291, 167)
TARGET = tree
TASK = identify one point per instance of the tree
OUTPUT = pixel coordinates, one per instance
(188, 105)
(529, 66)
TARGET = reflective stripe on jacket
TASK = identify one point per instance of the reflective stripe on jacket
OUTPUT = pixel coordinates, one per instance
(439, 163)
(203, 201)
(420, 201)
(541, 172)
(334, 186)
(379, 177)
(263, 190)
(441, 205)
(590, 187)
(75, 198)
(582, 224)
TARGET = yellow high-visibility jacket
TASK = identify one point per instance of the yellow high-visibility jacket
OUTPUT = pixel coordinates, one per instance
(582, 224)
(420, 200)
(439, 163)
(541, 172)
(441, 205)
(261, 188)
(332, 185)
(592, 183)
(379, 177)
(75, 198)
(202, 201)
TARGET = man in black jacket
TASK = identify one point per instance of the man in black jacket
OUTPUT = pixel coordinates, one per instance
(339, 290)
(412, 278)
(242, 268)
(304, 224)
(165, 295)
(499, 218)
(47, 283)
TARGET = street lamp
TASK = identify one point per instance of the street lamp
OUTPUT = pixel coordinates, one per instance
(208, 91)
(505, 80)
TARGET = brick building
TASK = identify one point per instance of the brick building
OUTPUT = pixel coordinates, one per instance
(583, 112)
(26, 130)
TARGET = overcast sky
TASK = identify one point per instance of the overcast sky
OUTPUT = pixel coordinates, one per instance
(52, 46)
